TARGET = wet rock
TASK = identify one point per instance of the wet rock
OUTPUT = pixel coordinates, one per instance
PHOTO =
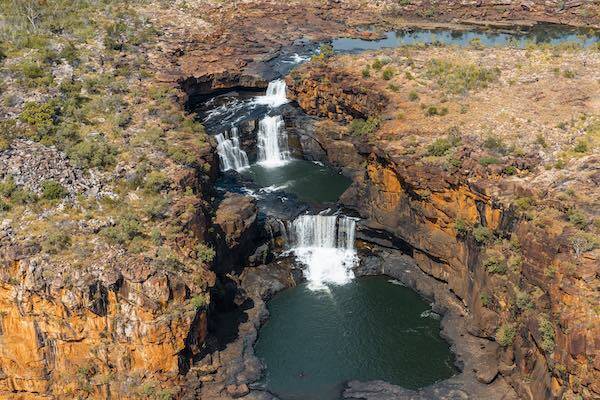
(236, 391)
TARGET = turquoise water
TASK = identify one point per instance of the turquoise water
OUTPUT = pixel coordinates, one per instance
(368, 329)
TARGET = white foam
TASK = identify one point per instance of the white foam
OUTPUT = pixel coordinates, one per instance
(272, 142)
(273, 188)
(275, 95)
(325, 245)
(230, 152)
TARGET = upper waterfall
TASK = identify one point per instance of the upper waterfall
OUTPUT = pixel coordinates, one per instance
(325, 244)
(272, 141)
(275, 94)
(230, 153)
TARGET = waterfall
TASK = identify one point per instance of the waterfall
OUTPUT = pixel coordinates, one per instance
(272, 142)
(230, 153)
(325, 245)
(275, 94)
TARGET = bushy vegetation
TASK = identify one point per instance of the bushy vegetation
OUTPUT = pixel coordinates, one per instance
(547, 333)
(361, 127)
(205, 253)
(482, 234)
(441, 146)
(460, 78)
(53, 190)
(505, 335)
(495, 263)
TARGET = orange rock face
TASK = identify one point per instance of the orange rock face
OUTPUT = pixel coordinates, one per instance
(93, 337)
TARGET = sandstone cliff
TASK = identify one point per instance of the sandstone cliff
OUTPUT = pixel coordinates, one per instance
(502, 245)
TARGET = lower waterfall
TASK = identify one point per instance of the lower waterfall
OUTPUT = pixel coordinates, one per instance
(325, 245)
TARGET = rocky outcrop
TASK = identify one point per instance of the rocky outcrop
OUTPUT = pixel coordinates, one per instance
(237, 225)
(514, 277)
(325, 92)
(31, 164)
(103, 332)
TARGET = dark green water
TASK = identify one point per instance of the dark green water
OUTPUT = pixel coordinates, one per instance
(309, 181)
(368, 329)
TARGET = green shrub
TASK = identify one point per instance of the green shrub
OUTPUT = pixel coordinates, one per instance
(482, 234)
(7, 187)
(523, 300)
(431, 111)
(547, 332)
(510, 170)
(126, 228)
(23, 196)
(485, 299)
(56, 241)
(505, 335)
(584, 241)
(199, 301)
(413, 96)
(205, 253)
(524, 203)
(157, 208)
(495, 264)
(366, 72)
(567, 73)
(53, 190)
(494, 143)
(388, 73)
(182, 155)
(93, 152)
(462, 227)
(439, 147)
(581, 147)
(577, 218)
(4, 206)
(40, 116)
(541, 140)
(515, 262)
(157, 181)
(489, 160)
(377, 64)
(360, 127)
(325, 52)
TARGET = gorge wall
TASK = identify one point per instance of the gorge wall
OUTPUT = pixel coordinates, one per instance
(464, 233)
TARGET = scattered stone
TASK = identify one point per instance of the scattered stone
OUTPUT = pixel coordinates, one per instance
(30, 164)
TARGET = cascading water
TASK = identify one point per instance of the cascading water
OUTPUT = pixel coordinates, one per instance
(275, 94)
(272, 142)
(230, 153)
(325, 244)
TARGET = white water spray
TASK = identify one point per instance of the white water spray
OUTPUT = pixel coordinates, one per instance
(325, 245)
(275, 94)
(272, 142)
(230, 153)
